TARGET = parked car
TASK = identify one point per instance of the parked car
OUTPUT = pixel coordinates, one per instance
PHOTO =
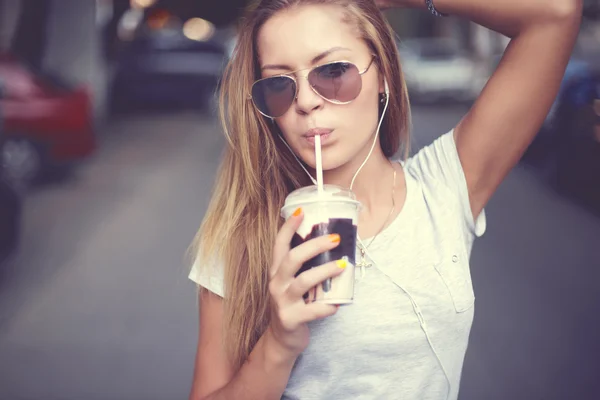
(575, 156)
(437, 69)
(572, 93)
(47, 122)
(166, 69)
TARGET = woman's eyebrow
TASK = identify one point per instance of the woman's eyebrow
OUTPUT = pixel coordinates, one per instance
(313, 61)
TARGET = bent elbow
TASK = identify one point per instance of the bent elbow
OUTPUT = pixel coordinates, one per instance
(565, 10)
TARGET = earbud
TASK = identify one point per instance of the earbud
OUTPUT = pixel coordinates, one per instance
(386, 87)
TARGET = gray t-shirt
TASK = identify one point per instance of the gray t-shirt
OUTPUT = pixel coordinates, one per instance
(406, 333)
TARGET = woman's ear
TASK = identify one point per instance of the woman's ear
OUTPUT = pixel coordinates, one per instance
(383, 86)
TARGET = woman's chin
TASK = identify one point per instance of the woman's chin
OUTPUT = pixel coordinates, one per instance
(328, 165)
(331, 160)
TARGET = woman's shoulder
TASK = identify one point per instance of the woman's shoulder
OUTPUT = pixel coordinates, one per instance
(436, 162)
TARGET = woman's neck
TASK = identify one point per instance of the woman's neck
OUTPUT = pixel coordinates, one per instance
(372, 185)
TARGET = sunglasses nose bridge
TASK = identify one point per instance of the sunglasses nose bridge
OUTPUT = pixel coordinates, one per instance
(307, 97)
(304, 77)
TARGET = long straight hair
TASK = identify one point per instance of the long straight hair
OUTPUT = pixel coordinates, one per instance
(257, 172)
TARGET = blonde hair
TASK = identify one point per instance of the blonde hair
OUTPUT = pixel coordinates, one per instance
(257, 172)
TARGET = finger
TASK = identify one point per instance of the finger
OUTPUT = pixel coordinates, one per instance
(284, 238)
(314, 276)
(315, 311)
(306, 251)
(299, 313)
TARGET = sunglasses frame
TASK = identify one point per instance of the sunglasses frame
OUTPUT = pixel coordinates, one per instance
(295, 80)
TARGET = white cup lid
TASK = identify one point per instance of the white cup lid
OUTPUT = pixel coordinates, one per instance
(310, 194)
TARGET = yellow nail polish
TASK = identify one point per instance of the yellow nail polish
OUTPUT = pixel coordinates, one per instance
(342, 263)
(335, 238)
(297, 212)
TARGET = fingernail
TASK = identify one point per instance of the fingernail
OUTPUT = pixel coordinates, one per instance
(341, 263)
(334, 238)
(297, 212)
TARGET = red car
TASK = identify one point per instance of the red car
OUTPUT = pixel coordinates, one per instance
(45, 121)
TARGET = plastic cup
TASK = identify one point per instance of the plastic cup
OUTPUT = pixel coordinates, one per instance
(334, 211)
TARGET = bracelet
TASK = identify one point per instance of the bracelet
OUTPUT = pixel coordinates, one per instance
(433, 10)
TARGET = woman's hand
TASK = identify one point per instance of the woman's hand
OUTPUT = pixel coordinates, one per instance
(289, 312)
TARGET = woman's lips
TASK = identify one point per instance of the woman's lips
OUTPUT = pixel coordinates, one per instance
(311, 139)
(324, 133)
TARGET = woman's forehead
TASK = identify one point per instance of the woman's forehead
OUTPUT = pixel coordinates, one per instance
(298, 35)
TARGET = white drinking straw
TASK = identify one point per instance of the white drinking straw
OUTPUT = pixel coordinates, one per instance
(319, 164)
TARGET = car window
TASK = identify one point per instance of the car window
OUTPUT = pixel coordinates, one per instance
(18, 83)
(21, 81)
(54, 81)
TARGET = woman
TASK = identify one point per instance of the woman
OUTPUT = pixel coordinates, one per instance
(333, 65)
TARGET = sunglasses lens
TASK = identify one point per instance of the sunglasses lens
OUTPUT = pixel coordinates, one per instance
(339, 81)
(274, 96)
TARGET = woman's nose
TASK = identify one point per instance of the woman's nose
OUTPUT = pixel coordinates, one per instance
(307, 100)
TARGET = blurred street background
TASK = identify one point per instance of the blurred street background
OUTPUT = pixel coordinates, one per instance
(109, 144)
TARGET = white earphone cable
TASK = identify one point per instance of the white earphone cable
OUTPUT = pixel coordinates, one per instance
(422, 323)
(314, 181)
(387, 100)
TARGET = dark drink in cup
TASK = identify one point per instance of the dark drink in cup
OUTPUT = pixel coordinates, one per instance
(334, 211)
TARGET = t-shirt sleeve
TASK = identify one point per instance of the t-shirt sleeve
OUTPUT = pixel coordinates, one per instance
(438, 164)
(208, 276)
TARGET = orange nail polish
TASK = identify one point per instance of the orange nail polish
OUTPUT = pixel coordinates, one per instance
(335, 238)
(297, 212)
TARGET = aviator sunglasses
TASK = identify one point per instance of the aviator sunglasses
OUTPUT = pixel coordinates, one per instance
(337, 82)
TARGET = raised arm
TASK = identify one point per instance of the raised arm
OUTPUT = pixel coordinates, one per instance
(511, 108)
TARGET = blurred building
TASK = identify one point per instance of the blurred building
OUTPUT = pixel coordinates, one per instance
(9, 12)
